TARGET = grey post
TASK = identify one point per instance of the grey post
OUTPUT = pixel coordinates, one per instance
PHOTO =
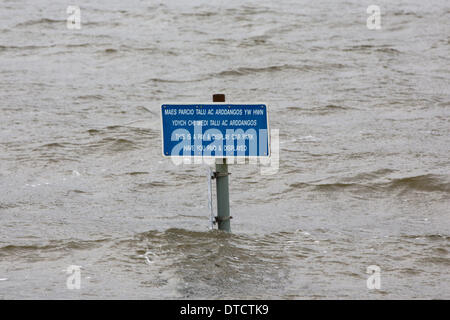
(223, 200)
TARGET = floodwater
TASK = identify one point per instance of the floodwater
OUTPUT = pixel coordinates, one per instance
(364, 126)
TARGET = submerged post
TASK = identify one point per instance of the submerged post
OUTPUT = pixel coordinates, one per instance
(223, 200)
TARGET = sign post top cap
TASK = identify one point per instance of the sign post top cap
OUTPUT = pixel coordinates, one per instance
(218, 97)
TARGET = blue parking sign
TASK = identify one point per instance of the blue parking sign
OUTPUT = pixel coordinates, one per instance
(218, 130)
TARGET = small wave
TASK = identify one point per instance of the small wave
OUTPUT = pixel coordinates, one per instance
(200, 14)
(8, 205)
(49, 21)
(90, 97)
(388, 50)
(322, 110)
(369, 176)
(53, 245)
(174, 80)
(28, 47)
(372, 48)
(334, 107)
(120, 144)
(254, 41)
(93, 131)
(136, 173)
(247, 10)
(142, 108)
(118, 138)
(40, 21)
(54, 145)
(153, 184)
(432, 237)
(436, 260)
(359, 47)
(78, 191)
(110, 144)
(242, 71)
(250, 70)
(11, 249)
(78, 45)
(365, 182)
(407, 13)
(323, 186)
(428, 182)
(178, 236)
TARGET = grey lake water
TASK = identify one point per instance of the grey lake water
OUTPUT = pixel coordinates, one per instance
(364, 146)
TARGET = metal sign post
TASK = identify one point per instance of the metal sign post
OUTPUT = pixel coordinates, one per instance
(209, 178)
(221, 175)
